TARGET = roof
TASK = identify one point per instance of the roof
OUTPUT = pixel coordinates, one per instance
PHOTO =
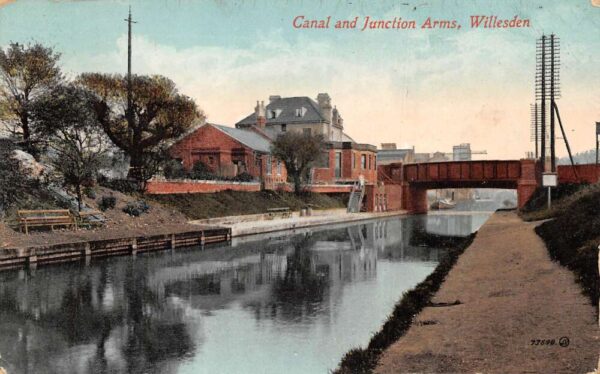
(392, 155)
(248, 138)
(288, 106)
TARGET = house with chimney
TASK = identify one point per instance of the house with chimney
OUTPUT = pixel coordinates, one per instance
(228, 151)
(342, 161)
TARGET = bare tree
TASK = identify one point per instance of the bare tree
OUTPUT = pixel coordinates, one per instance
(26, 72)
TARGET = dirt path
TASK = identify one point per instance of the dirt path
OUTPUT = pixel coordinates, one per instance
(512, 293)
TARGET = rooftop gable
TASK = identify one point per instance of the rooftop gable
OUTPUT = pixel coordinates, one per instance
(286, 110)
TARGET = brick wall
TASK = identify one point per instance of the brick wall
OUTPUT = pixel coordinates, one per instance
(215, 149)
(189, 186)
(351, 167)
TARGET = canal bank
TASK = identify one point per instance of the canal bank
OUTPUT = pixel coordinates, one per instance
(517, 311)
(262, 223)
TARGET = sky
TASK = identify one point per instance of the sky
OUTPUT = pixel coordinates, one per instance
(427, 88)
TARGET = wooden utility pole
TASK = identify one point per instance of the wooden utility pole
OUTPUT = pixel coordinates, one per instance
(129, 113)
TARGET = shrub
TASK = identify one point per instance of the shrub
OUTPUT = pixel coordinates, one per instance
(201, 171)
(243, 177)
(173, 169)
(89, 192)
(107, 202)
(137, 208)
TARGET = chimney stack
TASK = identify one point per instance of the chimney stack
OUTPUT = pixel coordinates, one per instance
(325, 105)
(261, 114)
(273, 98)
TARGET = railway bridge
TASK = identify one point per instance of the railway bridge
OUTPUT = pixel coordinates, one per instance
(416, 179)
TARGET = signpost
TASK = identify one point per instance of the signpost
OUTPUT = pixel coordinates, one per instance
(549, 180)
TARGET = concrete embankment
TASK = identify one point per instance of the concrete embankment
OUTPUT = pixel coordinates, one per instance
(260, 224)
(519, 312)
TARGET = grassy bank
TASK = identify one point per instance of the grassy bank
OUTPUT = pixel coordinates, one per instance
(573, 234)
(572, 239)
(231, 203)
(364, 360)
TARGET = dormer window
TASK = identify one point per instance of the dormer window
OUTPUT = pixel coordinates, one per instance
(274, 113)
(300, 112)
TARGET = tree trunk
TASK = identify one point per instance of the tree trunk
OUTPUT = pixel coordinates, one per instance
(78, 189)
(297, 183)
(25, 127)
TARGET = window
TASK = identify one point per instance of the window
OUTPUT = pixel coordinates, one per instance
(278, 167)
(298, 112)
(283, 128)
(272, 114)
(269, 165)
(307, 131)
(363, 161)
(211, 160)
(355, 161)
(338, 164)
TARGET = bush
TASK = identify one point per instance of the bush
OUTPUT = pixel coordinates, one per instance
(136, 208)
(173, 169)
(89, 192)
(243, 177)
(201, 171)
(107, 202)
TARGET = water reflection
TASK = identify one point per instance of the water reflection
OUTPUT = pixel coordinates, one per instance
(192, 311)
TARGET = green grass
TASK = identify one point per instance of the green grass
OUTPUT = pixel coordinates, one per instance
(231, 203)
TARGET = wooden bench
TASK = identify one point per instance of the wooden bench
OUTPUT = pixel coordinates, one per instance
(284, 212)
(45, 218)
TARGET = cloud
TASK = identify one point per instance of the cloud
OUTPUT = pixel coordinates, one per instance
(474, 90)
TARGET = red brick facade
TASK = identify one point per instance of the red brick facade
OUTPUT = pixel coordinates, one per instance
(226, 156)
(355, 160)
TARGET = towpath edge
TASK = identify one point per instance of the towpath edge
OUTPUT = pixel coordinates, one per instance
(512, 295)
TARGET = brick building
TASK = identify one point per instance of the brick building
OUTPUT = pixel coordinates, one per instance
(228, 151)
(343, 160)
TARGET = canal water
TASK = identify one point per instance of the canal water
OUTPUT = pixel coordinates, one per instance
(284, 303)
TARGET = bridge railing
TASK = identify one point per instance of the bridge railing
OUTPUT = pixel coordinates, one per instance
(487, 170)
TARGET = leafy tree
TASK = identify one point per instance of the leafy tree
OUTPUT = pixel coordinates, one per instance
(67, 120)
(26, 72)
(13, 182)
(159, 113)
(298, 152)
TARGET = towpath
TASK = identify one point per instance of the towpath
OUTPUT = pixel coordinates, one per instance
(512, 295)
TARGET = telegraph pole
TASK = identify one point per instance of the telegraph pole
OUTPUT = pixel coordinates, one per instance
(552, 61)
(130, 118)
(543, 99)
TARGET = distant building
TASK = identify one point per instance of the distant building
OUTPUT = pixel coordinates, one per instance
(389, 154)
(461, 152)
